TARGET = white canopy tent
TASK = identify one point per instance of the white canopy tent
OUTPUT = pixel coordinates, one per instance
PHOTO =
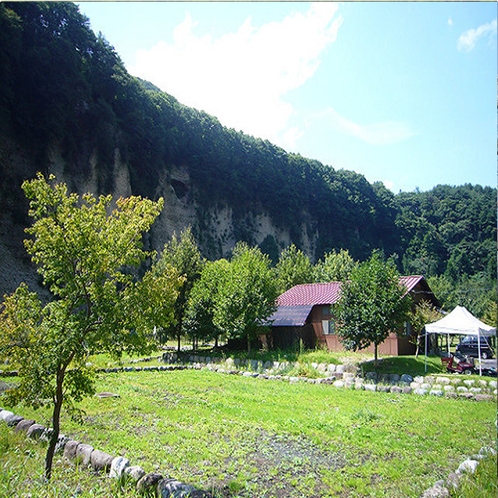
(460, 322)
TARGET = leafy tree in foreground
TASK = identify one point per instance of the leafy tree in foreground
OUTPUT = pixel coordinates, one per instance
(85, 250)
(372, 304)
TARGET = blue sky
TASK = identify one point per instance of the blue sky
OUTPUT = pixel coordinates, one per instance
(403, 93)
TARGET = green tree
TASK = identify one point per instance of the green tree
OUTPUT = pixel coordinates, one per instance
(335, 266)
(247, 294)
(423, 314)
(204, 303)
(372, 304)
(183, 254)
(293, 268)
(85, 249)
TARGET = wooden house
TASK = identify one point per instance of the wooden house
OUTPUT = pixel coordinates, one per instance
(305, 314)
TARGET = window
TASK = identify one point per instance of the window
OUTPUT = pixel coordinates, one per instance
(408, 329)
(328, 327)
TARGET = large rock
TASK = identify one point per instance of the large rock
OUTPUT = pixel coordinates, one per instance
(148, 482)
(24, 425)
(100, 460)
(13, 420)
(83, 454)
(484, 397)
(70, 450)
(467, 467)
(453, 480)
(167, 488)
(36, 431)
(437, 491)
(171, 488)
(487, 450)
(4, 414)
(118, 466)
(135, 472)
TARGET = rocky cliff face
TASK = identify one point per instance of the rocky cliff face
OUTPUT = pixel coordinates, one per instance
(216, 228)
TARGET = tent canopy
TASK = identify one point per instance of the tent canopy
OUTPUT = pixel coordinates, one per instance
(460, 322)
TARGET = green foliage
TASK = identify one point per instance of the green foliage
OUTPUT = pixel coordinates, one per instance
(201, 317)
(451, 228)
(423, 314)
(335, 266)
(183, 255)
(85, 250)
(371, 305)
(477, 293)
(293, 268)
(92, 108)
(233, 297)
(247, 295)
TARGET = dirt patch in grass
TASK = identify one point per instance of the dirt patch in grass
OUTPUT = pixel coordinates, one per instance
(277, 466)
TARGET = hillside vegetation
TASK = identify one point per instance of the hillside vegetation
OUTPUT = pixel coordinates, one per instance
(69, 106)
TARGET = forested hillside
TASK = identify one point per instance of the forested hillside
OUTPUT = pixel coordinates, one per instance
(68, 106)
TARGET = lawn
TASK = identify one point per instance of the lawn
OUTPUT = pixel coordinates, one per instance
(238, 436)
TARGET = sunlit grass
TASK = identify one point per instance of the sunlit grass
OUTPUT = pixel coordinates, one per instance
(250, 437)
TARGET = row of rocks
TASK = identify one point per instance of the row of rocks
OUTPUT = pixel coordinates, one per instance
(443, 488)
(346, 376)
(157, 368)
(340, 376)
(118, 467)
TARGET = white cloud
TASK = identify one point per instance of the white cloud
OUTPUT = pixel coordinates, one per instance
(381, 133)
(450, 21)
(469, 38)
(242, 77)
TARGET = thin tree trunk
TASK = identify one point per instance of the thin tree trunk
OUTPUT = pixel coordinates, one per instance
(418, 346)
(375, 354)
(59, 397)
(248, 343)
(179, 327)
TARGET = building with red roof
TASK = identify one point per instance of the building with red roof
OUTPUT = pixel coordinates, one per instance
(305, 314)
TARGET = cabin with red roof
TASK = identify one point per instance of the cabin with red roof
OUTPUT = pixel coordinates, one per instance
(305, 314)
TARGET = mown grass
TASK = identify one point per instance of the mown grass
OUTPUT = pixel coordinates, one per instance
(237, 436)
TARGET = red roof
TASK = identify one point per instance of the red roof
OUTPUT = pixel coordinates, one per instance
(410, 282)
(328, 293)
(306, 294)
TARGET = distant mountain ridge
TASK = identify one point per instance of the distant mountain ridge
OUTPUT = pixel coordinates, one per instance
(68, 106)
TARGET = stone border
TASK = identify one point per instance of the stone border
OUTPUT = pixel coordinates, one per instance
(100, 461)
(345, 376)
(442, 488)
(341, 376)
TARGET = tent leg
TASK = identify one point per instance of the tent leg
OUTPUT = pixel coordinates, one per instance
(479, 351)
(426, 351)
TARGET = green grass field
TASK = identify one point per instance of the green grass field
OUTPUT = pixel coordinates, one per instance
(238, 436)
